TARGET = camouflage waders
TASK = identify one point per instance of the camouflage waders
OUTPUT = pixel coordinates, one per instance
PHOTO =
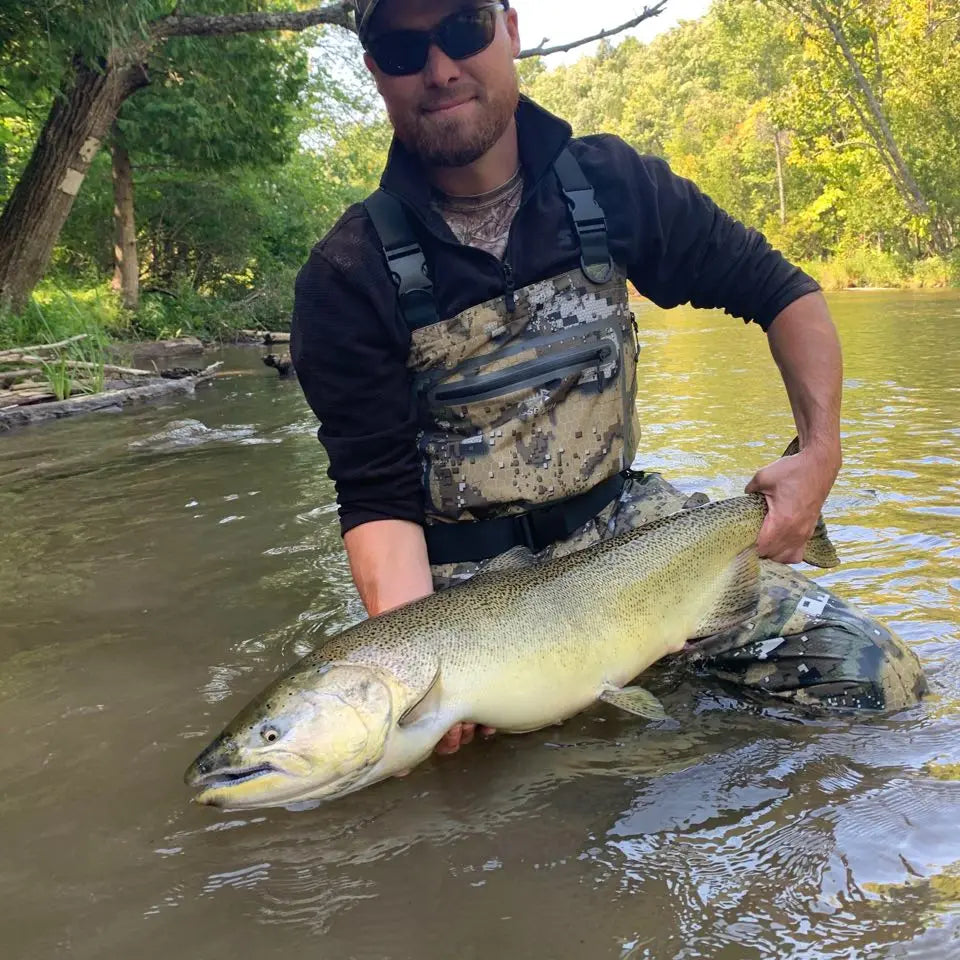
(526, 404)
(804, 644)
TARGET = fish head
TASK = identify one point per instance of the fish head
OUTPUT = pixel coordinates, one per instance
(315, 734)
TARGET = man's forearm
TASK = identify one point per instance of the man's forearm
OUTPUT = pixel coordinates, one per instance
(806, 348)
(388, 560)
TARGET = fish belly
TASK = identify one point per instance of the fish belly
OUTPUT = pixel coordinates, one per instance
(549, 685)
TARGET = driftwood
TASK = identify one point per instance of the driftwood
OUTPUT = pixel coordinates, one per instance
(266, 337)
(20, 398)
(157, 349)
(8, 377)
(121, 394)
(86, 365)
(13, 356)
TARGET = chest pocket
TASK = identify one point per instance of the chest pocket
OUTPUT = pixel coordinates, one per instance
(526, 407)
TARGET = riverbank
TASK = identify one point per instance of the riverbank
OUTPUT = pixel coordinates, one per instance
(63, 309)
(868, 269)
(50, 381)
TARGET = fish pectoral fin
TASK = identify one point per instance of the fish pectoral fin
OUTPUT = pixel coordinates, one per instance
(736, 598)
(635, 700)
(427, 705)
(298, 806)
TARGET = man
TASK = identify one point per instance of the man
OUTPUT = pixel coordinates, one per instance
(465, 340)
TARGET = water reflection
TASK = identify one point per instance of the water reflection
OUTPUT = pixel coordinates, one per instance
(134, 620)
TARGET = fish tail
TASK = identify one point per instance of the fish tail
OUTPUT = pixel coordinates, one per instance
(819, 550)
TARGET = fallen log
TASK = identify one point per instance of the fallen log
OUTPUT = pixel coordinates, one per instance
(158, 349)
(9, 398)
(122, 394)
(8, 377)
(87, 365)
(266, 337)
(28, 385)
(13, 353)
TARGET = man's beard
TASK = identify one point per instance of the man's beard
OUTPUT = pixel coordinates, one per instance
(455, 143)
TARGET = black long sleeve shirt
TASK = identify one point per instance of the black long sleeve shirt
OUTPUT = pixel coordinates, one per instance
(350, 343)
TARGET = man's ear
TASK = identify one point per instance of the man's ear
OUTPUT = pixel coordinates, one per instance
(513, 30)
(371, 65)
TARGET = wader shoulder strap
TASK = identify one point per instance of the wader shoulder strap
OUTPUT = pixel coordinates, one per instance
(588, 218)
(408, 266)
(405, 260)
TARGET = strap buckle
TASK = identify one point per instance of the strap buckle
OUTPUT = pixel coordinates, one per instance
(408, 268)
(527, 535)
(588, 218)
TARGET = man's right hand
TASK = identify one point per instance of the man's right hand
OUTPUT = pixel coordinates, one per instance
(459, 735)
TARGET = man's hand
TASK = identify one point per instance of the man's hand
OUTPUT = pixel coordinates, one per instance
(459, 736)
(795, 488)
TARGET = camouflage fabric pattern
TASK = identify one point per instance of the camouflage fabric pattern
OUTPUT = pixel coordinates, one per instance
(804, 645)
(526, 406)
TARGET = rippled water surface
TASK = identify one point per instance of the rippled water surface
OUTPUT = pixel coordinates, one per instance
(154, 575)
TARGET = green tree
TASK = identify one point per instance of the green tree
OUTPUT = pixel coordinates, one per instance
(104, 50)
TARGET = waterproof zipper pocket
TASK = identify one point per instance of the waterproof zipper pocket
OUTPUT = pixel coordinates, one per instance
(533, 373)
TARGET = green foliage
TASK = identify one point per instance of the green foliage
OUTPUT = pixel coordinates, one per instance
(716, 96)
(58, 377)
(246, 149)
(56, 313)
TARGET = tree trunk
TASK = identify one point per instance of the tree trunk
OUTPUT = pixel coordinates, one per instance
(38, 207)
(879, 130)
(780, 187)
(126, 273)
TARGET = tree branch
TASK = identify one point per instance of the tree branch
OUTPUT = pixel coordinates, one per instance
(543, 50)
(224, 24)
(341, 14)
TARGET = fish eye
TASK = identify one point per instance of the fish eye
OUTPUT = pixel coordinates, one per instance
(270, 734)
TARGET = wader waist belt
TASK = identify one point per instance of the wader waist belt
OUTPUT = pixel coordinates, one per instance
(536, 529)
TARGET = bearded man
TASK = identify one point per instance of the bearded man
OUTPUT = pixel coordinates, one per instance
(465, 339)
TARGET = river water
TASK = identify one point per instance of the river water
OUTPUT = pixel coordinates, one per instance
(154, 577)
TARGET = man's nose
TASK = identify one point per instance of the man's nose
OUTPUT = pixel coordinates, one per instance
(440, 70)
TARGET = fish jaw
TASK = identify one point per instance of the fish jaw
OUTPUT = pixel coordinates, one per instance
(229, 777)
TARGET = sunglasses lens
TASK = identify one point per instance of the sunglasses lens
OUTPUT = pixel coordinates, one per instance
(467, 33)
(401, 53)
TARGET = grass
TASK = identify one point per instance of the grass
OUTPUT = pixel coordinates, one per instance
(870, 268)
(59, 315)
(58, 377)
(63, 307)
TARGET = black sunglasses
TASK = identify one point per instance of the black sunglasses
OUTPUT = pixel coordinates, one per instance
(466, 33)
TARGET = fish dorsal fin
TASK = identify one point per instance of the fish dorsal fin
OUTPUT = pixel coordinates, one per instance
(793, 449)
(427, 705)
(737, 597)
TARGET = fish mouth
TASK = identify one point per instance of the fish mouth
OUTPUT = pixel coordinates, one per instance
(217, 779)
